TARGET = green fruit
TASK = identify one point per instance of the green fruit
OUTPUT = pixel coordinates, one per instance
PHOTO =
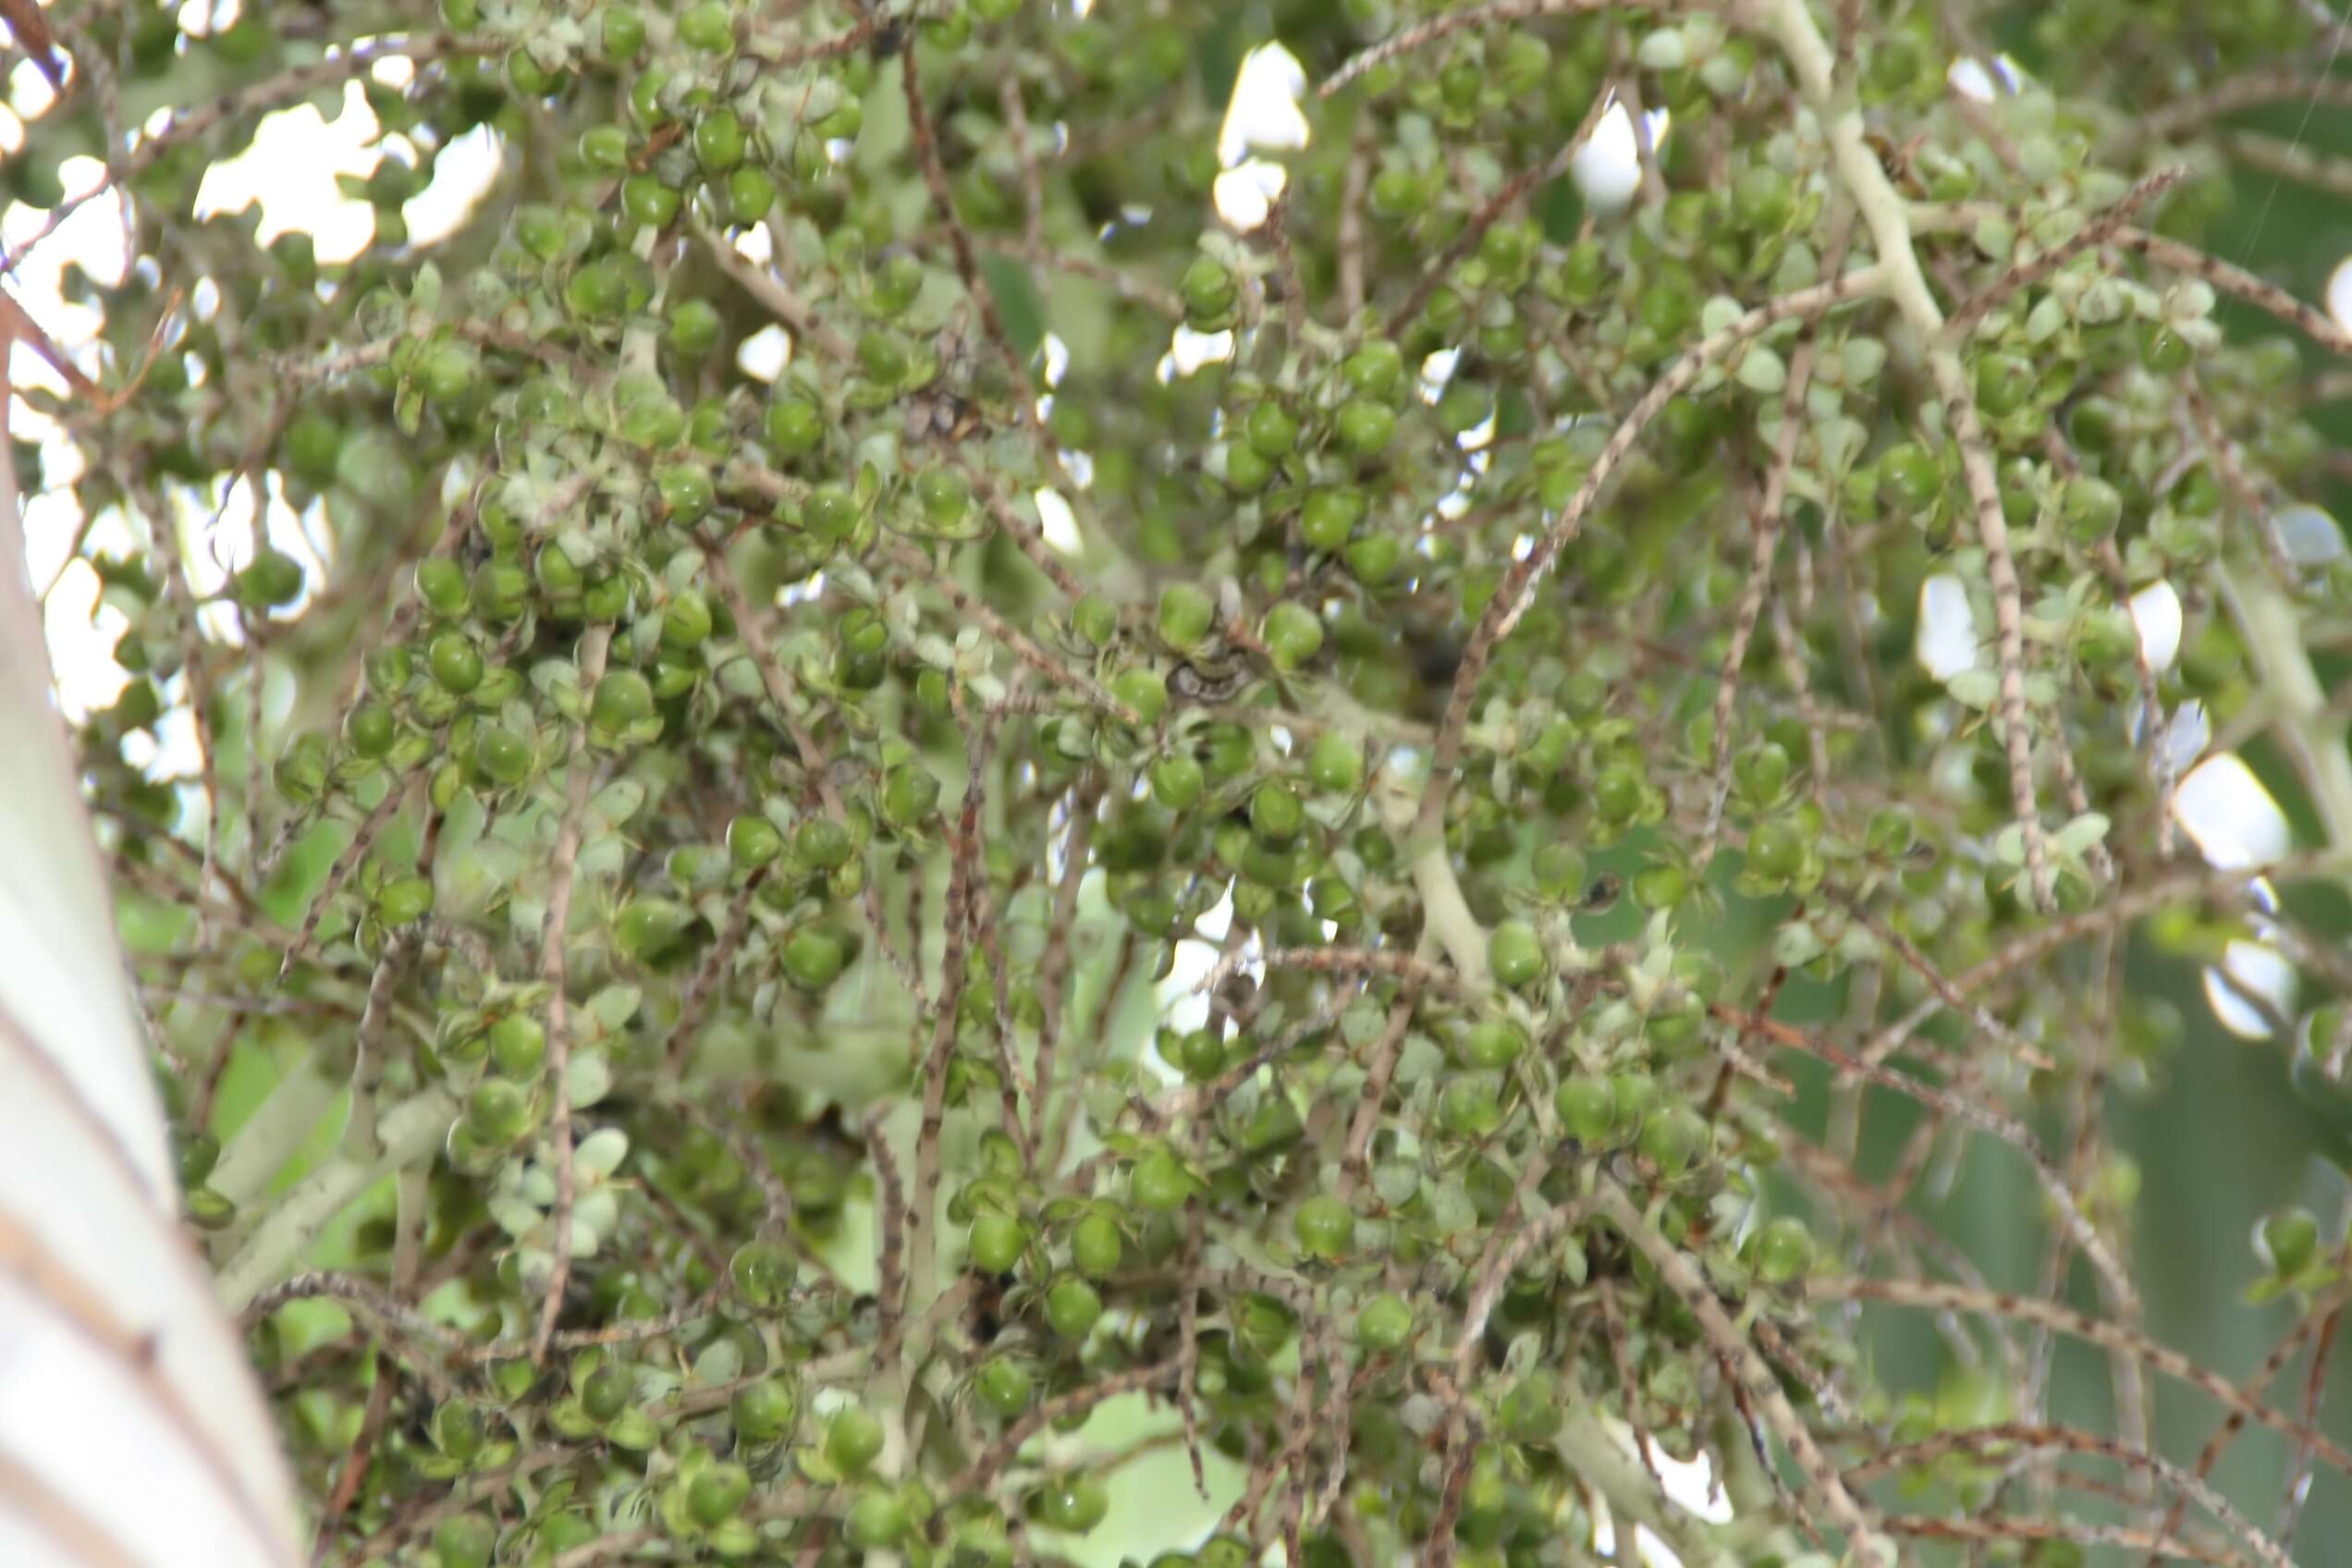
(1143, 690)
(877, 1521)
(2091, 507)
(498, 1111)
(1270, 430)
(820, 844)
(910, 794)
(1247, 470)
(1586, 1108)
(500, 755)
(1375, 558)
(830, 511)
(1493, 1044)
(1784, 1250)
(1672, 1139)
(404, 899)
(2286, 1240)
(945, 496)
(719, 141)
(1636, 1095)
(1366, 428)
(622, 697)
(1186, 613)
(1177, 782)
(518, 1045)
(1293, 634)
(1470, 1107)
(441, 585)
(693, 327)
(1073, 1504)
(455, 662)
(883, 356)
(1325, 1226)
(465, 1541)
(2005, 384)
(447, 372)
(369, 730)
(1335, 764)
(1775, 851)
(529, 78)
(1330, 516)
(1209, 290)
(274, 577)
(1095, 619)
(750, 194)
(1072, 1307)
(762, 1412)
(1003, 1385)
(1396, 193)
(604, 147)
(1276, 815)
(996, 1241)
(1384, 1323)
(1096, 1245)
(1375, 369)
(645, 928)
(686, 492)
(1908, 478)
(794, 426)
(2163, 350)
(1514, 953)
(813, 958)
(1160, 1183)
(648, 202)
(709, 26)
(752, 841)
(716, 1492)
(623, 31)
(852, 1440)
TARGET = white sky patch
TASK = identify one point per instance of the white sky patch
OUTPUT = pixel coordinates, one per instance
(2231, 818)
(1607, 168)
(1691, 1484)
(1264, 114)
(765, 353)
(290, 170)
(1182, 1003)
(2187, 737)
(1057, 522)
(1437, 370)
(755, 245)
(1969, 79)
(1245, 194)
(1054, 357)
(462, 176)
(2156, 612)
(2249, 968)
(1189, 350)
(2309, 535)
(1948, 639)
(2339, 293)
(82, 634)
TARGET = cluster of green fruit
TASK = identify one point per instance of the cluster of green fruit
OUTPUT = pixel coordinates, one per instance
(868, 789)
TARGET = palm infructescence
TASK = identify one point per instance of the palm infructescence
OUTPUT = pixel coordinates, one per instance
(907, 788)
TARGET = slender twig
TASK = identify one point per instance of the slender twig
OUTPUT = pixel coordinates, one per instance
(1935, 1295)
(562, 868)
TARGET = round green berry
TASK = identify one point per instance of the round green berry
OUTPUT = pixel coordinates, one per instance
(1514, 953)
(1072, 1307)
(1325, 1226)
